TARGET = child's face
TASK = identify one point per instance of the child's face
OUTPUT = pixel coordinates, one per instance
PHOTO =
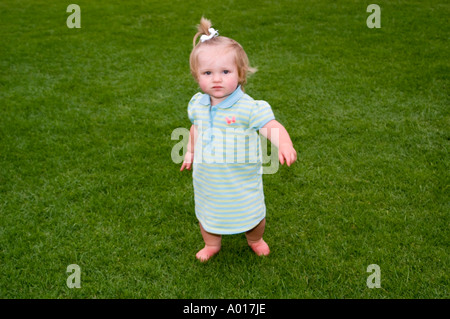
(217, 72)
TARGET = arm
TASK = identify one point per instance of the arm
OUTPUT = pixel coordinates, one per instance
(189, 156)
(278, 136)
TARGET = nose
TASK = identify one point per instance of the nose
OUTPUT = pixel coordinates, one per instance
(217, 77)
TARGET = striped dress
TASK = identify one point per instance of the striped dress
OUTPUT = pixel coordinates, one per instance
(227, 168)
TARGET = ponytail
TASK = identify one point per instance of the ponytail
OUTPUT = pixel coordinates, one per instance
(202, 29)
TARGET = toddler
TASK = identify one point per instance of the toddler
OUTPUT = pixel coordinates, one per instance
(224, 148)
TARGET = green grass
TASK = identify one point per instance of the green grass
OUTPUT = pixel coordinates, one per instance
(86, 175)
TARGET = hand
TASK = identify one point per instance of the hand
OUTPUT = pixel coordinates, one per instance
(188, 160)
(286, 152)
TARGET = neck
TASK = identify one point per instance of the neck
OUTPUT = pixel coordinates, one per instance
(215, 101)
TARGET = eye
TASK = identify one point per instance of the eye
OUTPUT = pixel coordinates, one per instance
(207, 73)
(226, 71)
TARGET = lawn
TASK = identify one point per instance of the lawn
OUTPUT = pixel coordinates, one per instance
(86, 175)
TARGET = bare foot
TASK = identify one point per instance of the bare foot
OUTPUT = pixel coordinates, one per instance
(207, 252)
(260, 247)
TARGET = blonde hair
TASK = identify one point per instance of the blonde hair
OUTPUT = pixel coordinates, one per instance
(242, 63)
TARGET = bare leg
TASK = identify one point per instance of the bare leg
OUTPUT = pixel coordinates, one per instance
(255, 240)
(213, 243)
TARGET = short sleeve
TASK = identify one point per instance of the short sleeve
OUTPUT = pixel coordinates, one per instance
(191, 107)
(261, 115)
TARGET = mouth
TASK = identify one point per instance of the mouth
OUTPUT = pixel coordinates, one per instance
(216, 87)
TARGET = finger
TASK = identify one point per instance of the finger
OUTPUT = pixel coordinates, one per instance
(281, 158)
(293, 157)
(185, 166)
(288, 160)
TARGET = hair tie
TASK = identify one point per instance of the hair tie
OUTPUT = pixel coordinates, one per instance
(212, 34)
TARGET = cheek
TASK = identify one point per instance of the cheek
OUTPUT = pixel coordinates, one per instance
(233, 79)
(202, 81)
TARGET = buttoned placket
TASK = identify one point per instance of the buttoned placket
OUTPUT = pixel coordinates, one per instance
(212, 115)
(233, 98)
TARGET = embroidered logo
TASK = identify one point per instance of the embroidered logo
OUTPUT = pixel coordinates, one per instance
(232, 120)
